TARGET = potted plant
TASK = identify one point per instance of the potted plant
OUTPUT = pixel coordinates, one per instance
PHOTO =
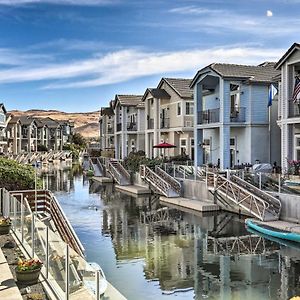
(5, 224)
(28, 270)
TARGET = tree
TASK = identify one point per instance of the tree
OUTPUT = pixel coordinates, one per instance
(79, 140)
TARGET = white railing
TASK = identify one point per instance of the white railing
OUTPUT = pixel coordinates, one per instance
(261, 208)
(175, 184)
(64, 271)
(114, 172)
(151, 177)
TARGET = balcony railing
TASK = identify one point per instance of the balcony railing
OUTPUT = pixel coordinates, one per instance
(119, 126)
(165, 123)
(131, 126)
(209, 116)
(151, 124)
(238, 115)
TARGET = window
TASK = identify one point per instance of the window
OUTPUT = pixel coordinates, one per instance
(189, 108)
(178, 109)
(232, 142)
(234, 98)
(183, 146)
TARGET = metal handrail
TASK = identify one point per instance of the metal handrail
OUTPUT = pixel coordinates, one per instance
(114, 172)
(175, 184)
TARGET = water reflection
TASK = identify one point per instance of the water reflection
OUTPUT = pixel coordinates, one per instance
(150, 251)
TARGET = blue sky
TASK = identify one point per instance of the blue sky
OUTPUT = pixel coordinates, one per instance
(75, 55)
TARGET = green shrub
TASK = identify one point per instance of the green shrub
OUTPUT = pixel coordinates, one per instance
(135, 159)
(15, 176)
(42, 148)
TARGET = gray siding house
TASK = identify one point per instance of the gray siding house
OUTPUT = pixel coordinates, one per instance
(233, 125)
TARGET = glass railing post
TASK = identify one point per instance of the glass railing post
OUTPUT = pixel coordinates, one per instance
(22, 219)
(47, 252)
(279, 183)
(15, 211)
(32, 234)
(67, 278)
(259, 174)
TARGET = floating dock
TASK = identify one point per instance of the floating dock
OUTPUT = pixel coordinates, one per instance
(133, 189)
(198, 205)
(102, 179)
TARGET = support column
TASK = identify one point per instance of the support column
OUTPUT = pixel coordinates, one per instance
(147, 137)
(15, 139)
(199, 147)
(124, 136)
(156, 126)
(224, 147)
(198, 133)
(29, 138)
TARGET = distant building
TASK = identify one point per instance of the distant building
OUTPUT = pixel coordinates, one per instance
(289, 108)
(107, 130)
(169, 112)
(234, 124)
(129, 123)
(3, 124)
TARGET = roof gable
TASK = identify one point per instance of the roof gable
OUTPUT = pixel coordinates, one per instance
(180, 85)
(287, 54)
(156, 93)
(127, 100)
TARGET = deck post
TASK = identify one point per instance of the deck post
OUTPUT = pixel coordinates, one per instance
(32, 234)
(279, 183)
(22, 219)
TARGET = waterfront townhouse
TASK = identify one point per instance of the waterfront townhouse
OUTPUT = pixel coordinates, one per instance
(55, 134)
(42, 134)
(169, 112)
(233, 126)
(289, 104)
(67, 129)
(129, 125)
(14, 135)
(107, 130)
(3, 125)
(28, 134)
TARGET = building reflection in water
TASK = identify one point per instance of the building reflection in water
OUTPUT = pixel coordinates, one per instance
(214, 255)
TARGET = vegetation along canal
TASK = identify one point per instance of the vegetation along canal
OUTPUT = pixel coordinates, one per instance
(172, 254)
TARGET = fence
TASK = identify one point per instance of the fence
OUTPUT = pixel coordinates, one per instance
(66, 272)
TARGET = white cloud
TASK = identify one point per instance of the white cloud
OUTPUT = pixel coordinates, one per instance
(269, 13)
(124, 65)
(58, 2)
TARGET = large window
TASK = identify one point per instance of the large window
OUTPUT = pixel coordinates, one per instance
(234, 97)
(189, 108)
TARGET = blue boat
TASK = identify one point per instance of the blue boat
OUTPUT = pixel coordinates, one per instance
(274, 232)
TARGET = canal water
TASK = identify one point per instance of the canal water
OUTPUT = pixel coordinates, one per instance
(151, 251)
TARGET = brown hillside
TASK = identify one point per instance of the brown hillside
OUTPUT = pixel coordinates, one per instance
(85, 123)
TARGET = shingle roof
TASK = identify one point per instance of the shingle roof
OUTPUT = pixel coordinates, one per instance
(180, 85)
(262, 73)
(49, 122)
(26, 120)
(107, 111)
(128, 100)
(156, 93)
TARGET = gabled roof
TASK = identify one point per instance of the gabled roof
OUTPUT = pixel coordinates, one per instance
(286, 55)
(180, 85)
(13, 120)
(106, 111)
(25, 120)
(156, 93)
(128, 100)
(3, 107)
(50, 122)
(262, 73)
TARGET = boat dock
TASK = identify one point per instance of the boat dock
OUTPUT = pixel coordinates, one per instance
(134, 189)
(198, 205)
(102, 179)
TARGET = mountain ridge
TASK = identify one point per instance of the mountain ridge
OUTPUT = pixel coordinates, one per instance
(85, 123)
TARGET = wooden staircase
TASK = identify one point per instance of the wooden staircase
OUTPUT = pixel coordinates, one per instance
(161, 182)
(118, 172)
(245, 195)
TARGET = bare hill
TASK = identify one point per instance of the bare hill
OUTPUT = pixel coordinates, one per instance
(84, 123)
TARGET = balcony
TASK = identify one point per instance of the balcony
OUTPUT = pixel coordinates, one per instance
(209, 116)
(165, 123)
(119, 126)
(131, 126)
(238, 115)
(151, 124)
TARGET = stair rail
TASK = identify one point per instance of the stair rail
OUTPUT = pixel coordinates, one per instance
(155, 180)
(123, 171)
(174, 184)
(246, 199)
(114, 172)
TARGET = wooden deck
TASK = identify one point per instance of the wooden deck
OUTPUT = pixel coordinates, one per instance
(198, 205)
